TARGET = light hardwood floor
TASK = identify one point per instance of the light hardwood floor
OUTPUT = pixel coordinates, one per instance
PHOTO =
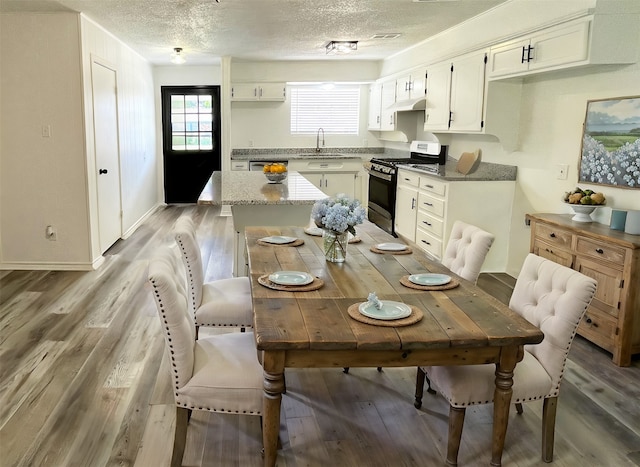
(85, 383)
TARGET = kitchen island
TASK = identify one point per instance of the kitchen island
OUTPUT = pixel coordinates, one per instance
(256, 202)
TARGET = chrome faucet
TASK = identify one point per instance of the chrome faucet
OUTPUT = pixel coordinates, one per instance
(318, 139)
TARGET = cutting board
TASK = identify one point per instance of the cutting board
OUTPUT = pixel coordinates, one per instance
(467, 161)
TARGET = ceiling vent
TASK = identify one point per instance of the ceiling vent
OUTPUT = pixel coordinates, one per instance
(392, 35)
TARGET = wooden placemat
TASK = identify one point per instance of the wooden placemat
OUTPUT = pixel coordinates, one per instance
(313, 233)
(406, 251)
(315, 285)
(404, 280)
(296, 242)
(415, 316)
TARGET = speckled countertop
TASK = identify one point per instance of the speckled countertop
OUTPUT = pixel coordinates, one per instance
(485, 171)
(285, 154)
(247, 188)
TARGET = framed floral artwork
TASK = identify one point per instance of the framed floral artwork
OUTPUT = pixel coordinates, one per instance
(611, 143)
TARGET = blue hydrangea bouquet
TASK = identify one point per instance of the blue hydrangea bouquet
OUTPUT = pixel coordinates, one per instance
(337, 217)
(340, 214)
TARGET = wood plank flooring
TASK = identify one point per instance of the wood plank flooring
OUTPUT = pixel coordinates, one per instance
(84, 382)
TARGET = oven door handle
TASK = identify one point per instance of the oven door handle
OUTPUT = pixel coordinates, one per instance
(387, 177)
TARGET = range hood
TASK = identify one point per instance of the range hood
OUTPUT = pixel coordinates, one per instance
(409, 105)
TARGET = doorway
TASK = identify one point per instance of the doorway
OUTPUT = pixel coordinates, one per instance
(105, 128)
(190, 140)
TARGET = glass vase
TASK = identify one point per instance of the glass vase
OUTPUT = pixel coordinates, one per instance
(335, 245)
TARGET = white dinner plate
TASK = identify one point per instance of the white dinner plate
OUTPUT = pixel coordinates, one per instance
(391, 246)
(291, 278)
(278, 239)
(430, 279)
(390, 310)
(315, 231)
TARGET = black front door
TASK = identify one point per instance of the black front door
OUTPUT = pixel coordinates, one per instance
(190, 140)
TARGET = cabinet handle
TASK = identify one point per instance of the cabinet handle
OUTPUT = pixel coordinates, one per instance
(429, 186)
(428, 204)
(413, 203)
(425, 222)
(530, 54)
(599, 251)
(552, 235)
(523, 51)
(424, 241)
(590, 321)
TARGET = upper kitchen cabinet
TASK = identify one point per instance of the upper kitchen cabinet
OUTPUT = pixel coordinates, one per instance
(585, 41)
(387, 99)
(258, 92)
(375, 106)
(410, 86)
(455, 94)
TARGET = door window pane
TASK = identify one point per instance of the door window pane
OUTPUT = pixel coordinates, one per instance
(178, 142)
(191, 104)
(191, 122)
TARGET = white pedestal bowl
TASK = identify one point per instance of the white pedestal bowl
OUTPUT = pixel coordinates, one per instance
(582, 212)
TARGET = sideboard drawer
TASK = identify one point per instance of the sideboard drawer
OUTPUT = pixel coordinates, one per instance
(596, 249)
(599, 328)
(552, 253)
(553, 235)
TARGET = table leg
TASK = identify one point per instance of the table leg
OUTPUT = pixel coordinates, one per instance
(273, 364)
(509, 356)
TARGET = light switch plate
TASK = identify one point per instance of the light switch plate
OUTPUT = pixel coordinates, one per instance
(562, 171)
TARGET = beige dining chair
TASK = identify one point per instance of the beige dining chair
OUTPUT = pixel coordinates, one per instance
(220, 373)
(466, 250)
(553, 298)
(219, 303)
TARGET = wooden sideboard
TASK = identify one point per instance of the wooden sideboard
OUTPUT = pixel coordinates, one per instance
(611, 257)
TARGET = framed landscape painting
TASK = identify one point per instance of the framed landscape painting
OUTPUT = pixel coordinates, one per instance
(611, 143)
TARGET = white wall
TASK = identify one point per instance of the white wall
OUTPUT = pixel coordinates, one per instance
(42, 179)
(267, 124)
(46, 82)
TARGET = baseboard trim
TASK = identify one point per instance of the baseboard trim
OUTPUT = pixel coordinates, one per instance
(140, 221)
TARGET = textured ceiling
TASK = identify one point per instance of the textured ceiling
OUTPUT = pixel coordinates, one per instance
(264, 30)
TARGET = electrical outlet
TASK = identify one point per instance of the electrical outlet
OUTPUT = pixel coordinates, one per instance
(562, 171)
(51, 233)
(46, 131)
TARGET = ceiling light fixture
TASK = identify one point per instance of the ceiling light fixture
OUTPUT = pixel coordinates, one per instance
(341, 47)
(177, 57)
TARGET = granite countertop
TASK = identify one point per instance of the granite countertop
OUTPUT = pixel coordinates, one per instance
(485, 171)
(253, 188)
(285, 154)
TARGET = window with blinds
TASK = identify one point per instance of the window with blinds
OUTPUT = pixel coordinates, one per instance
(336, 109)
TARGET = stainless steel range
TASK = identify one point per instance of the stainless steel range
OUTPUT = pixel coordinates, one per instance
(383, 179)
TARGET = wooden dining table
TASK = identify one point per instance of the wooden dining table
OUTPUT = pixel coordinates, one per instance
(313, 329)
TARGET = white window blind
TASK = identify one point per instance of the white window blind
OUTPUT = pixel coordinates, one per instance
(336, 110)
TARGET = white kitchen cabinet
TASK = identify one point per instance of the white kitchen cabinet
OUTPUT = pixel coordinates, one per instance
(375, 106)
(410, 86)
(438, 96)
(406, 204)
(427, 207)
(388, 116)
(332, 176)
(455, 94)
(590, 40)
(554, 47)
(258, 91)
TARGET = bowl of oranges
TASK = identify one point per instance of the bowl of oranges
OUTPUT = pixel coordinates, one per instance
(275, 173)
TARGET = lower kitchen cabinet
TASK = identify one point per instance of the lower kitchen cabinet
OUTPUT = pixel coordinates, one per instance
(332, 176)
(427, 206)
(612, 258)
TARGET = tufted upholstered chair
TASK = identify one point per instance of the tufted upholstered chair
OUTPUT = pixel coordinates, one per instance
(466, 250)
(220, 303)
(220, 373)
(553, 298)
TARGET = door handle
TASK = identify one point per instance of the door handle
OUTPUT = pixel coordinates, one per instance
(103, 171)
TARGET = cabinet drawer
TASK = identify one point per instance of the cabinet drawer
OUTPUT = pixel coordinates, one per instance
(239, 165)
(549, 252)
(408, 178)
(608, 292)
(433, 225)
(429, 243)
(433, 186)
(599, 328)
(600, 250)
(430, 204)
(554, 236)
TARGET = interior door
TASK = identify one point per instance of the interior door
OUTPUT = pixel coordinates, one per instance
(190, 140)
(105, 124)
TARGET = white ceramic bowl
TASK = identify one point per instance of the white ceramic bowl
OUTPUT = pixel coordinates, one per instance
(583, 212)
(276, 177)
